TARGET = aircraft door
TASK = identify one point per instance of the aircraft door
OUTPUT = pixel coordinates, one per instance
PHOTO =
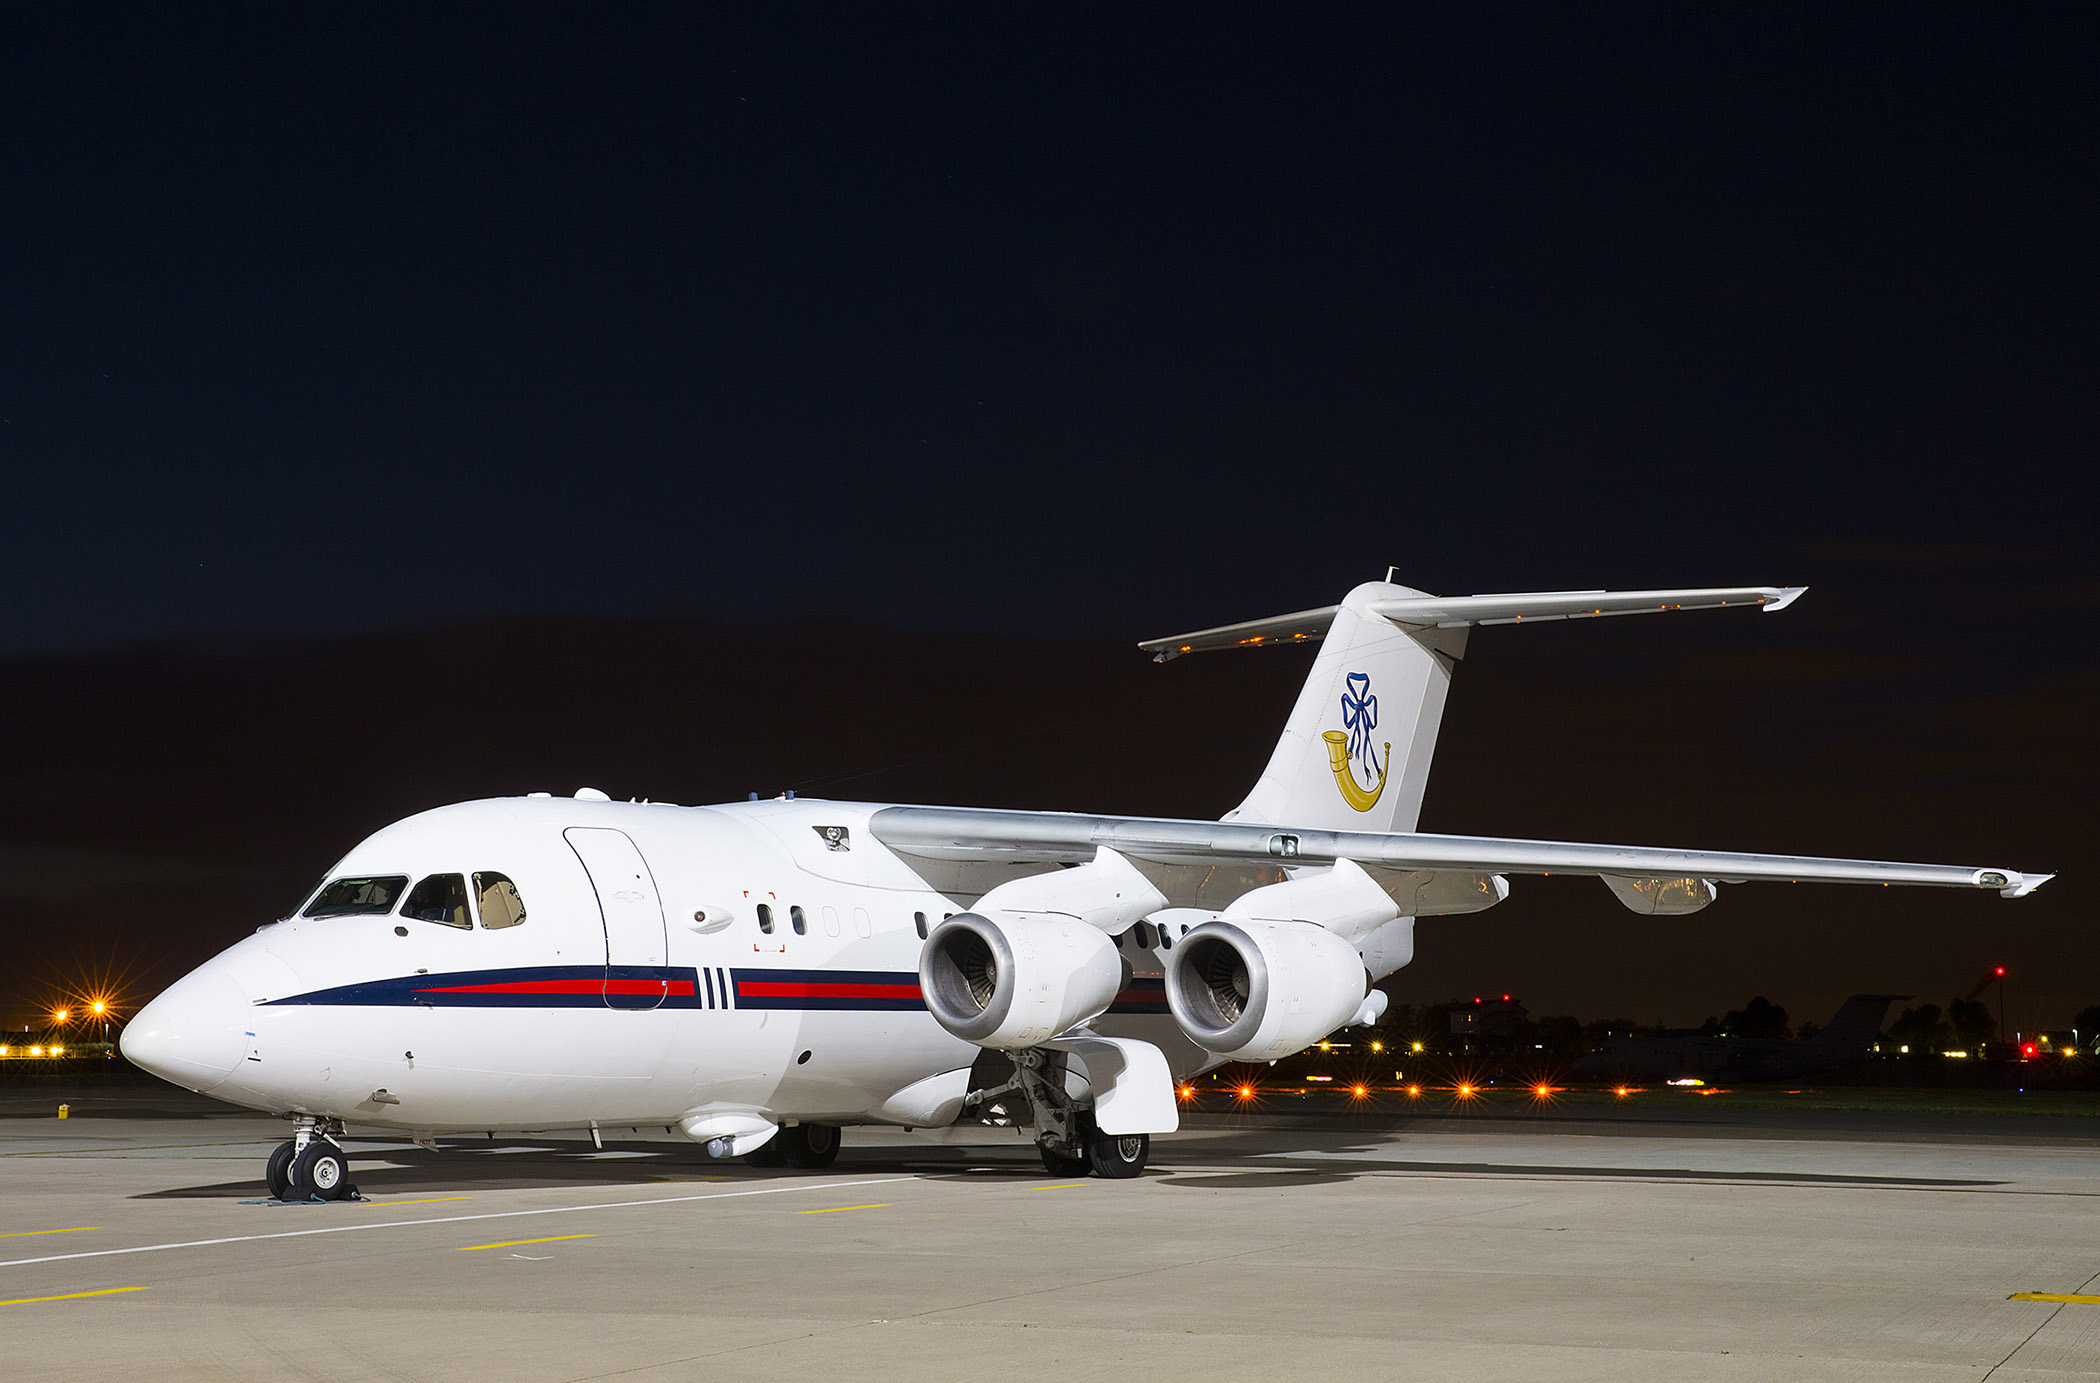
(633, 915)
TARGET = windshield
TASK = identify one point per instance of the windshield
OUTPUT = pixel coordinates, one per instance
(342, 897)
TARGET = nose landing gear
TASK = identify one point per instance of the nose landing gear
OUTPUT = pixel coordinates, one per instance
(312, 1166)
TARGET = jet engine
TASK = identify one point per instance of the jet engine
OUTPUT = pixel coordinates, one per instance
(1255, 991)
(1018, 981)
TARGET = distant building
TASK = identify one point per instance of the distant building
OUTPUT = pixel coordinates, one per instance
(1490, 1019)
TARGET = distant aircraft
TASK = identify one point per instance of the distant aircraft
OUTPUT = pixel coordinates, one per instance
(761, 974)
(1849, 1037)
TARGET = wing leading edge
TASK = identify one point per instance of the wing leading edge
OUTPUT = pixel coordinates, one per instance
(967, 833)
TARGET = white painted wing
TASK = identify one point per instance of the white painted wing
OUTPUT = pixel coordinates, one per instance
(968, 833)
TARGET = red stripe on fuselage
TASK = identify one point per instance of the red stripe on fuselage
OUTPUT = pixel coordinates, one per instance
(785, 989)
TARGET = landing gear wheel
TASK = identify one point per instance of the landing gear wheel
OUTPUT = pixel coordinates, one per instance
(812, 1147)
(277, 1172)
(1059, 1164)
(771, 1153)
(1118, 1155)
(321, 1173)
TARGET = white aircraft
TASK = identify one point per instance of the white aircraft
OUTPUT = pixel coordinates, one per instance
(760, 974)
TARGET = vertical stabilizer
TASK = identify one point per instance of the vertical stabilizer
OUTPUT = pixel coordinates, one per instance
(1856, 1024)
(1355, 754)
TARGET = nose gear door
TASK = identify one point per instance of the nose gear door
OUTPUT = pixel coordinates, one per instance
(635, 974)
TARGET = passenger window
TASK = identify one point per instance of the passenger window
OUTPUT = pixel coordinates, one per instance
(441, 898)
(345, 897)
(765, 918)
(918, 921)
(498, 899)
(797, 920)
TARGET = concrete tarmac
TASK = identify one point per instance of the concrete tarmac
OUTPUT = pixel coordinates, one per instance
(1606, 1245)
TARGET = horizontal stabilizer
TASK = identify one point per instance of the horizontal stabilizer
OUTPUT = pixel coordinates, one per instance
(1461, 611)
(1448, 612)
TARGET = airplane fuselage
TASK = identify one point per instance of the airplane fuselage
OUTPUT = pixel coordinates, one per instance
(764, 957)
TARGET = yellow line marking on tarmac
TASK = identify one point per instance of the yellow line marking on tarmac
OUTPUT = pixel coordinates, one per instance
(426, 1200)
(73, 1296)
(456, 1219)
(835, 1209)
(2074, 1298)
(520, 1243)
(25, 1233)
(1060, 1186)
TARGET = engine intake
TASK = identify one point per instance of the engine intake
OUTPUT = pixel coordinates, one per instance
(1255, 991)
(1017, 981)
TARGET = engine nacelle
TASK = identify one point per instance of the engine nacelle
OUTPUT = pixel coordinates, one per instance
(1017, 981)
(1255, 991)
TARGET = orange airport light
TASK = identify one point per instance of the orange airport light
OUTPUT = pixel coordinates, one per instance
(1465, 1092)
(1246, 1092)
(60, 1015)
(1414, 1091)
(1358, 1091)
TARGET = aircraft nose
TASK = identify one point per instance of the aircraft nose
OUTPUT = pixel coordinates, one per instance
(194, 1034)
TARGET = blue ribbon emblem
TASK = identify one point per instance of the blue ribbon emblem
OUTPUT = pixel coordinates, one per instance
(1360, 718)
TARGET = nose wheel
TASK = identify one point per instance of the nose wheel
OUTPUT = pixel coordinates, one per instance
(312, 1166)
(277, 1173)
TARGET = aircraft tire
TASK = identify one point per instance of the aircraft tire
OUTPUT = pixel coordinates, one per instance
(771, 1153)
(277, 1172)
(1058, 1164)
(1118, 1156)
(321, 1172)
(811, 1147)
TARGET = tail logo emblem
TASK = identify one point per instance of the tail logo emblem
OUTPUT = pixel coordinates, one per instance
(1350, 753)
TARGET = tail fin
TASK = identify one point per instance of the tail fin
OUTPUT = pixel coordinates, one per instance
(1856, 1024)
(1355, 753)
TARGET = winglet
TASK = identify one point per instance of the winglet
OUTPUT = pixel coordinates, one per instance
(1787, 596)
(2020, 885)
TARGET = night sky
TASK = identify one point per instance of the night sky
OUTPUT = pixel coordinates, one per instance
(399, 407)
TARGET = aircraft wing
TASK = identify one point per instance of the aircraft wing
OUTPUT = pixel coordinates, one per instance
(968, 833)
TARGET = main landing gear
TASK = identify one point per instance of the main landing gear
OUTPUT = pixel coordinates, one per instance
(1066, 1137)
(312, 1166)
(807, 1147)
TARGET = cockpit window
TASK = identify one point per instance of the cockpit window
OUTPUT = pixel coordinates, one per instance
(343, 897)
(441, 898)
(498, 897)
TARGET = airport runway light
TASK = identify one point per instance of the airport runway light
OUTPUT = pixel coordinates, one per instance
(1465, 1091)
(1414, 1092)
(1378, 1046)
(1245, 1092)
(60, 1015)
(1622, 1092)
(1358, 1091)
(1418, 1046)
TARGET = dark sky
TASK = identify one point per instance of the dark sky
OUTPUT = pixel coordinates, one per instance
(1024, 331)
